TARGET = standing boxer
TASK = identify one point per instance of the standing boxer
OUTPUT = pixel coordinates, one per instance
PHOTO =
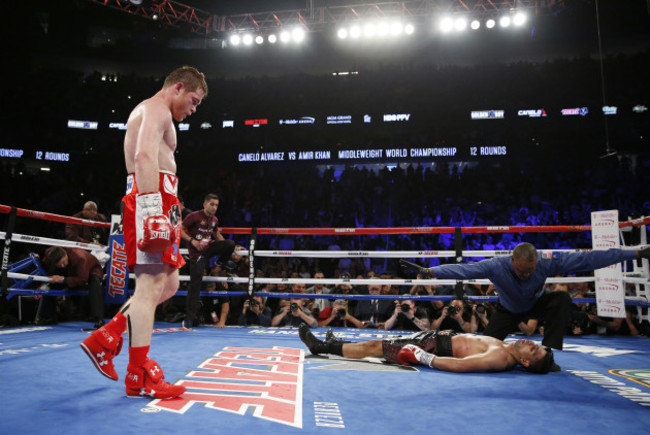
(151, 222)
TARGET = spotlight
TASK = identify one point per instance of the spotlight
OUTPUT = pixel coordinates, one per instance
(490, 23)
(460, 24)
(272, 39)
(446, 25)
(369, 30)
(355, 32)
(298, 34)
(235, 40)
(396, 28)
(285, 36)
(409, 29)
(505, 21)
(342, 33)
(519, 19)
(247, 39)
(476, 24)
(383, 29)
(259, 40)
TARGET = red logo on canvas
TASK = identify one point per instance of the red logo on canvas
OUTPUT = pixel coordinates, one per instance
(264, 382)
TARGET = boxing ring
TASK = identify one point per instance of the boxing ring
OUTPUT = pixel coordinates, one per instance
(251, 379)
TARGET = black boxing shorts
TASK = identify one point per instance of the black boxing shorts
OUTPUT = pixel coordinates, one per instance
(435, 342)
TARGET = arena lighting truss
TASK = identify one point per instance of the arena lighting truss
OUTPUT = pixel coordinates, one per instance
(170, 13)
(402, 18)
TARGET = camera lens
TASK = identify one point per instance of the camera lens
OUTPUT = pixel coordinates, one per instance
(480, 308)
(293, 306)
(453, 309)
(406, 307)
(340, 312)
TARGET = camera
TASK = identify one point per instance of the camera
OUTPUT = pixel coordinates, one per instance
(293, 306)
(592, 309)
(453, 309)
(340, 312)
(253, 303)
(405, 307)
(480, 308)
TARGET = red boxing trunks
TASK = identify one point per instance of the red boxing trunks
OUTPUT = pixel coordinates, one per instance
(132, 221)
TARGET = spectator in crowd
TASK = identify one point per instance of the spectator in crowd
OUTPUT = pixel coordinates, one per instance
(254, 312)
(530, 325)
(321, 303)
(272, 303)
(482, 312)
(338, 315)
(86, 233)
(406, 318)
(374, 312)
(73, 268)
(293, 313)
(346, 288)
(455, 317)
(619, 325)
(388, 289)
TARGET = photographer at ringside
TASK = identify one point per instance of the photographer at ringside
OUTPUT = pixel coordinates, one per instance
(293, 313)
(407, 317)
(461, 317)
(338, 315)
(254, 312)
(455, 317)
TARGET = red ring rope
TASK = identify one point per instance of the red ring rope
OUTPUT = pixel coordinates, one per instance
(347, 231)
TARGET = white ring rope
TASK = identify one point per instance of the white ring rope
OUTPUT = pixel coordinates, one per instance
(328, 254)
(400, 254)
(306, 254)
(395, 281)
(379, 254)
(53, 242)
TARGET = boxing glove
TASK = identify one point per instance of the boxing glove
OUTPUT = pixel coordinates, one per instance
(157, 230)
(412, 354)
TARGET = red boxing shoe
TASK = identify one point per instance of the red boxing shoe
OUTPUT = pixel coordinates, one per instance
(148, 381)
(101, 347)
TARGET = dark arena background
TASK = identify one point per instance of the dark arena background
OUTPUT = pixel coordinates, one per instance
(415, 129)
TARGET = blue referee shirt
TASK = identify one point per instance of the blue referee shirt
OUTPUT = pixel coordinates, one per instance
(519, 296)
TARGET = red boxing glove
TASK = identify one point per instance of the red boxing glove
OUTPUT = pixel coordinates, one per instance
(157, 234)
(157, 230)
(412, 354)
